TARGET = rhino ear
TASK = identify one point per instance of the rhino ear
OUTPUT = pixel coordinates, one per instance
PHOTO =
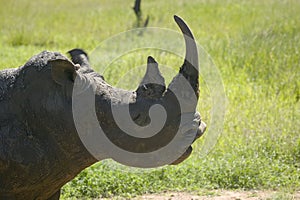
(63, 71)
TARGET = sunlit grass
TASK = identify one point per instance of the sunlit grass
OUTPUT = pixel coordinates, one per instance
(255, 45)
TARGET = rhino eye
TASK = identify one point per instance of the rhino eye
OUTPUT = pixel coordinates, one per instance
(144, 87)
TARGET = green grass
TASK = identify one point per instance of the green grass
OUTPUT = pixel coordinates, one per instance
(255, 45)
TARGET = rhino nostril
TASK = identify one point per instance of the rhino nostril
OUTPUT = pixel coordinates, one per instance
(136, 117)
(200, 131)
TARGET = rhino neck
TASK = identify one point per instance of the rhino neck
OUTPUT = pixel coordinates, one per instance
(8, 79)
(41, 135)
(36, 115)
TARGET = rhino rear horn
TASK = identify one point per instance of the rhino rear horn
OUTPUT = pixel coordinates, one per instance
(153, 83)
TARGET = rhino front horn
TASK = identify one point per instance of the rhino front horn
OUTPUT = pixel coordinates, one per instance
(189, 68)
(185, 85)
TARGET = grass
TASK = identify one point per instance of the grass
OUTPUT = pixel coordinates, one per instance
(255, 45)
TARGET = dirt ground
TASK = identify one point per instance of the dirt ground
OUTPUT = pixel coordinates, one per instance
(222, 195)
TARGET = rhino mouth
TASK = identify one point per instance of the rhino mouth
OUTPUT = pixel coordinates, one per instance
(188, 152)
(184, 156)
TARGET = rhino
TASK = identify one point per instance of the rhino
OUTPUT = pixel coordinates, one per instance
(40, 149)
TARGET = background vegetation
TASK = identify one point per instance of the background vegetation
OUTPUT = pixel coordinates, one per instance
(255, 45)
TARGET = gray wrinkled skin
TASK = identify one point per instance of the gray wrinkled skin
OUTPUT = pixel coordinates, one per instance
(40, 149)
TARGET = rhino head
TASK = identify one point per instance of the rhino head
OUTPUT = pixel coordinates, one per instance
(42, 147)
